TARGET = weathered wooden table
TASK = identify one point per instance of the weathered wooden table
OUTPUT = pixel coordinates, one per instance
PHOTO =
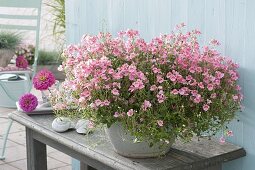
(96, 151)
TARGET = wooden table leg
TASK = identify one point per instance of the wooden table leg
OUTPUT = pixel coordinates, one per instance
(36, 152)
(84, 166)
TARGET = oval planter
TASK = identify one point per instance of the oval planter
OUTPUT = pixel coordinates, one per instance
(123, 144)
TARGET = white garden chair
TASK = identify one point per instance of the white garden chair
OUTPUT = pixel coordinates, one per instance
(10, 91)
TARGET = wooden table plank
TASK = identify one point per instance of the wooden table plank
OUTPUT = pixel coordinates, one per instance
(194, 155)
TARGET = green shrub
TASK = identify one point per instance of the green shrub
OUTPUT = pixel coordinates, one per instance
(9, 40)
(48, 57)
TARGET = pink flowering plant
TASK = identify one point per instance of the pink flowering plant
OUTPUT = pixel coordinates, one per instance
(160, 89)
(21, 62)
(27, 51)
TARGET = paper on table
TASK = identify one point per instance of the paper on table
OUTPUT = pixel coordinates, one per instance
(42, 108)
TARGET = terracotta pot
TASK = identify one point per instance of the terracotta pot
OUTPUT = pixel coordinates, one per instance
(123, 144)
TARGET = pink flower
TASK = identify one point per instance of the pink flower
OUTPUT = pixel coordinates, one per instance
(171, 76)
(116, 114)
(160, 123)
(222, 140)
(184, 91)
(214, 42)
(199, 69)
(219, 75)
(82, 99)
(115, 84)
(98, 102)
(194, 92)
(117, 76)
(206, 107)
(192, 70)
(130, 112)
(91, 124)
(210, 87)
(174, 92)
(153, 88)
(213, 95)
(115, 92)
(28, 102)
(106, 103)
(161, 97)
(85, 94)
(189, 77)
(160, 79)
(217, 82)
(198, 98)
(43, 80)
(238, 88)
(137, 85)
(230, 133)
(156, 70)
(235, 97)
(21, 62)
(146, 105)
(201, 85)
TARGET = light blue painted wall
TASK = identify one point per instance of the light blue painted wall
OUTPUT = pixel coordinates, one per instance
(230, 21)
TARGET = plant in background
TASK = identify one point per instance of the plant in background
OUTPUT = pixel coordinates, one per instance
(21, 62)
(48, 57)
(156, 90)
(58, 12)
(44, 57)
(9, 40)
(27, 51)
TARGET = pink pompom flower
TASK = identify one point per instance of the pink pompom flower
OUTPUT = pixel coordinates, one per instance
(43, 80)
(28, 102)
(21, 62)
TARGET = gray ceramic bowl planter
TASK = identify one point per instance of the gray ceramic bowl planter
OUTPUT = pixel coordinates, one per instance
(123, 144)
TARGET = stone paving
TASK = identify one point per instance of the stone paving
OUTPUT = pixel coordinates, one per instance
(16, 148)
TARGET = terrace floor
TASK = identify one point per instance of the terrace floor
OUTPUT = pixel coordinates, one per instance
(16, 148)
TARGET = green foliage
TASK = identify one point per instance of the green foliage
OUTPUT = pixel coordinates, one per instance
(48, 57)
(58, 12)
(9, 40)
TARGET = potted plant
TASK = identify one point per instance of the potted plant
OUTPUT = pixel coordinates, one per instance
(8, 42)
(148, 94)
(46, 59)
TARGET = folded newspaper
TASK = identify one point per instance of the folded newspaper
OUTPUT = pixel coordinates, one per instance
(42, 108)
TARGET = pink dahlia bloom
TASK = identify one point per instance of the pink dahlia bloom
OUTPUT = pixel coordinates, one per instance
(21, 62)
(28, 102)
(43, 80)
